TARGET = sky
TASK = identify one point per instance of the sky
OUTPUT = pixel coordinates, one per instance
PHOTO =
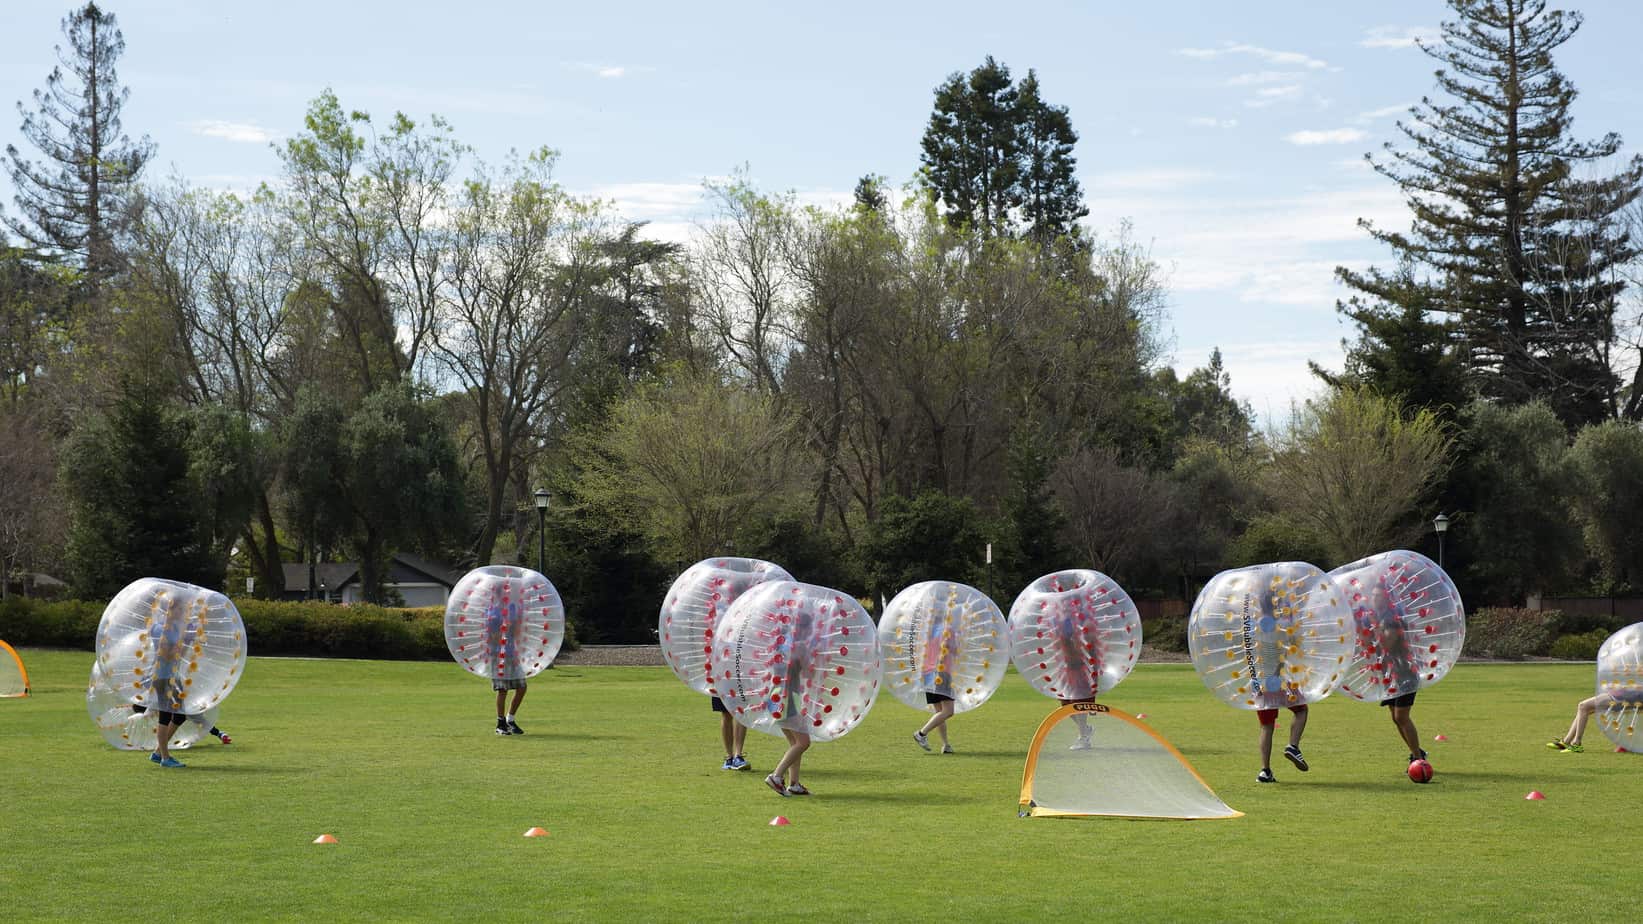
(1229, 135)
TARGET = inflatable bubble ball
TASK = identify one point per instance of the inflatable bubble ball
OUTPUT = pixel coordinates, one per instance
(503, 622)
(1408, 624)
(1270, 636)
(798, 657)
(125, 727)
(1074, 634)
(171, 646)
(695, 604)
(1620, 677)
(946, 639)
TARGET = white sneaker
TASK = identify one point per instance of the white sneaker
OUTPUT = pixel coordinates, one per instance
(1082, 744)
(920, 739)
(946, 749)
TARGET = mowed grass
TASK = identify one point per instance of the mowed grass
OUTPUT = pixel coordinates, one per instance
(621, 765)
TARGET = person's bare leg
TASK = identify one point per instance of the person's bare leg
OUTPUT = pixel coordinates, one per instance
(944, 711)
(501, 704)
(727, 731)
(162, 740)
(1406, 728)
(738, 736)
(1266, 745)
(787, 769)
(518, 697)
(1297, 727)
(1583, 713)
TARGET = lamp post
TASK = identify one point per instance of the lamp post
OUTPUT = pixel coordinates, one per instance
(1440, 524)
(541, 496)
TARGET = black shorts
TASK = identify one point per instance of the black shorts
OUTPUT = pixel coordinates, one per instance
(1400, 702)
(719, 705)
(934, 698)
(171, 718)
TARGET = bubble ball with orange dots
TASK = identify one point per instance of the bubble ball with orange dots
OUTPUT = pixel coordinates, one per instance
(944, 638)
(130, 729)
(1408, 624)
(1270, 636)
(694, 606)
(798, 657)
(1620, 678)
(504, 622)
(170, 646)
(1074, 634)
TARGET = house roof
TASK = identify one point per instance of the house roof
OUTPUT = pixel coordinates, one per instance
(331, 574)
(336, 575)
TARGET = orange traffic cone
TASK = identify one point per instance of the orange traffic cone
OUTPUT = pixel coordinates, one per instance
(536, 832)
(325, 839)
(779, 821)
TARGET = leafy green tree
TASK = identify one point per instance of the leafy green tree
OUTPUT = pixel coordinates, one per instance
(72, 203)
(1403, 351)
(933, 536)
(134, 509)
(1607, 464)
(36, 311)
(1033, 522)
(1507, 243)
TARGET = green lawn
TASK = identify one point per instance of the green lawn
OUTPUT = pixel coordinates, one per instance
(621, 766)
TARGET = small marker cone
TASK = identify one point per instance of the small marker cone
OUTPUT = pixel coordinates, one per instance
(779, 821)
(1621, 750)
(1535, 796)
(325, 839)
(1140, 715)
(536, 832)
(1441, 738)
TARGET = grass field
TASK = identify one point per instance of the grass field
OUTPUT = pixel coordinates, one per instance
(621, 765)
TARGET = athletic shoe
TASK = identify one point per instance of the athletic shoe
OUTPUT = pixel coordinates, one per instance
(1574, 749)
(172, 762)
(502, 727)
(797, 789)
(1557, 744)
(946, 749)
(1420, 756)
(1082, 744)
(154, 757)
(729, 764)
(922, 740)
(775, 784)
(1293, 754)
(1265, 776)
(740, 763)
(514, 729)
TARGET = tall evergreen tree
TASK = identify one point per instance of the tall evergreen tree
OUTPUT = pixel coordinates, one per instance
(1515, 250)
(1051, 200)
(1403, 351)
(972, 149)
(71, 204)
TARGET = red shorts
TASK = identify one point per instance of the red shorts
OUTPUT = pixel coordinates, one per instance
(1270, 716)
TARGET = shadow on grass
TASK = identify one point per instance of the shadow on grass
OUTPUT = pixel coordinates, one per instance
(901, 798)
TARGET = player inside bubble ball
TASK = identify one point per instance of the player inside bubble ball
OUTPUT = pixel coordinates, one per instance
(508, 674)
(168, 629)
(940, 650)
(1570, 741)
(783, 699)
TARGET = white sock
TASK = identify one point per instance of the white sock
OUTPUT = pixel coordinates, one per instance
(510, 718)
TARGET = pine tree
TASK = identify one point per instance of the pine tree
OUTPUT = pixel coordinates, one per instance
(72, 203)
(1511, 245)
(1051, 201)
(972, 156)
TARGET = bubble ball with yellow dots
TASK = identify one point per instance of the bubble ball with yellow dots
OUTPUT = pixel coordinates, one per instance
(1408, 624)
(1270, 636)
(171, 646)
(944, 638)
(1074, 634)
(1620, 677)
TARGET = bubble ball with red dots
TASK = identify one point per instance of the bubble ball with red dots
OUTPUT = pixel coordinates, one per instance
(1408, 624)
(1074, 634)
(1269, 636)
(796, 656)
(694, 606)
(504, 623)
(171, 646)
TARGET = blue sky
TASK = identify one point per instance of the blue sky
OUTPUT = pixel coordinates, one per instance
(1230, 134)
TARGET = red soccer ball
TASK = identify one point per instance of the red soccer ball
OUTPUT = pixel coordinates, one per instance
(1420, 771)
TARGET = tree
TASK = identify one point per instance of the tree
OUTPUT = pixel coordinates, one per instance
(1354, 470)
(933, 536)
(1607, 465)
(1403, 352)
(73, 203)
(35, 314)
(30, 512)
(999, 158)
(1507, 243)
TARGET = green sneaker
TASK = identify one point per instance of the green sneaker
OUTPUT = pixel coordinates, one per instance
(1556, 744)
(1574, 749)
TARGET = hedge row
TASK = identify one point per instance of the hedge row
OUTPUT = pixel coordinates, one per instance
(272, 628)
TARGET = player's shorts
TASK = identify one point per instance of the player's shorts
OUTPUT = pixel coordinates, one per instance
(934, 698)
(719, 705)
(171, 718)
(1400, 702)
(511, 683)
(1270, 716)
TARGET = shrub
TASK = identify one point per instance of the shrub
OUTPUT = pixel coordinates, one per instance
(271, 628)
(1510, 632)
(1580, 646)
(1165, 633)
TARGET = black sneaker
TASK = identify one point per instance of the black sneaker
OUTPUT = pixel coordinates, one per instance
(514, 729)
(1265, 776)
(502, 727)
(1420, 756)
(1293, 755)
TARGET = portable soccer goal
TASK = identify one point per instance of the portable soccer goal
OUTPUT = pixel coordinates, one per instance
(1091, 759)
(14, 678)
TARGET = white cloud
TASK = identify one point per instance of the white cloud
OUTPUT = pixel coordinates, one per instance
(1328, 136)
(605, 71)
(1399, 36)
(1261, 78)
(1212, 122)
(1266, 96)
(1291, 58)
(1381, 113)
(240, 132)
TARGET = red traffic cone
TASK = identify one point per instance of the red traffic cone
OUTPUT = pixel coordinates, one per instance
(1441, 738)
(536, 832)
(1140, 715)
(779, 821)
(325, 839)
(1621, 750)
(1535, 796)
